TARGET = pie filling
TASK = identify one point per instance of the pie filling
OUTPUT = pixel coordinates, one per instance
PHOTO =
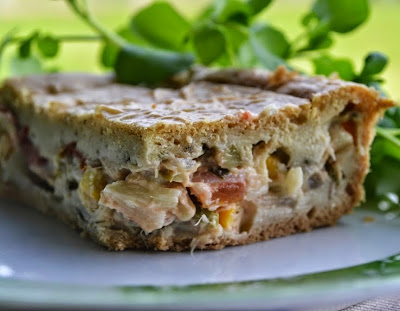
(219, 189)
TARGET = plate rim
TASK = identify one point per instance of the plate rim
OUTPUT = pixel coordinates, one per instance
(364, 280)
(357, 281)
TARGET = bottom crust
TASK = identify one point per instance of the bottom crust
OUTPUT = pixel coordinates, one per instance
(119, 239)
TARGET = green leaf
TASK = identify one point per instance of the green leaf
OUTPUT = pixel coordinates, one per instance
(383, 177)
(374, 63)
(385, 168)
(235, 35)
(327, 65)
(308, 18)
(161, 25)
(24, 50)
(48, 46)
(392, 118)
(209, 43)
(231, 10)
(342, 15)
(246, 57)
(394, 114)
(385, 159)
(109, 51)
(318, 38)
(135, 65)
(270, 46)
(108, 55)
(5, 41)
(256, 6)
(205, 14)
(387, 123)
(318, 33)
(268, 60)
(322, 42)
(391, 146)
(377, 85)
(25, 66)
(271, 39)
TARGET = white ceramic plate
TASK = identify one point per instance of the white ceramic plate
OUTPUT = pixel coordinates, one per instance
(44, 263)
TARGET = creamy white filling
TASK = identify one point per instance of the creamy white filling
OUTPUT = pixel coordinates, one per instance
(157, 201)
(149, 204)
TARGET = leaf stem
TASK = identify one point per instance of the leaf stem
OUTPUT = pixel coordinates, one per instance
(65, 38)
(388, 134)
(6, 40)
(394, 132)
(83, 12)
(295, 44)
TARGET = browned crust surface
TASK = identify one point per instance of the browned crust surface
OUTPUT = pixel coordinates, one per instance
(154, 143)
(49, 95)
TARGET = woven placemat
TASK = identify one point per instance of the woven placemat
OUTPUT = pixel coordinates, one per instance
(378, 304)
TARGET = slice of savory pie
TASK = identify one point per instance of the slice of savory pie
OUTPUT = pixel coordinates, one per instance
(232, 157)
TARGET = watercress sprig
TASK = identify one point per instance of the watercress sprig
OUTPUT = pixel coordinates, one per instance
(135, 64)
(158, 41)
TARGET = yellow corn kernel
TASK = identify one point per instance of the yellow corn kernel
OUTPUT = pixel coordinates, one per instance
(167, 174)
(226, 218)
(273, 167)
(294, 181)
(92, 183)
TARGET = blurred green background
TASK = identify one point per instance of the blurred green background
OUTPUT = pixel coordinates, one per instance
(381, 32)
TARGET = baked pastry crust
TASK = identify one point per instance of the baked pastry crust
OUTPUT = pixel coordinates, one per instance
(231, 157)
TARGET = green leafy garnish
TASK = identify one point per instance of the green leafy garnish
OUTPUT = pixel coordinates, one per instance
(269, 45)
(374, 64)
(256, 6)
(133, 63)
(158, 41)
(136, 65)
(341, 15)
(209, 43)
(25, 46)
(231, 10)
(170, 30)
(327, 65)
(48, 46)
(5, 41)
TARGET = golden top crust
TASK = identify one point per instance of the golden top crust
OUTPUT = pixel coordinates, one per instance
(229, 110)
(209, 96)
(280, 81)
(79, 95)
